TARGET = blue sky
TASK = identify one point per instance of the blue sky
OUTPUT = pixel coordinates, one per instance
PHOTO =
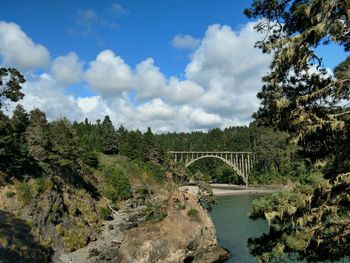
(159, 53)
(146, 28)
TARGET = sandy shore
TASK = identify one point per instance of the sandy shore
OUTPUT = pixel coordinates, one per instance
(231, 190)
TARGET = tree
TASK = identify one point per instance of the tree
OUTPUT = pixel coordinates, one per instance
(300, 97)
(108, 136)
(7, 149)
(37, 135)
(10, 85)
(64, 143)
(131, 145)
(150, 149)
(20, 122)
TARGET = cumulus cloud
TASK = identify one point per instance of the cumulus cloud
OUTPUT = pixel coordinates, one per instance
(109, 74)
(182, 91)
(229, 68)
(18, 50)
(67, 69)
(156, 109)
(218, 88)
(185, 42)
(199, 119)
(118, 9)
(88, 104)
(148, 80)
(44, 93)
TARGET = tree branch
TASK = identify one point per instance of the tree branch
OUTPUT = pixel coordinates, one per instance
(348, 16)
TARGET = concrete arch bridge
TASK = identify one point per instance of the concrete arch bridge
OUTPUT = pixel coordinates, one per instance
(240, 162)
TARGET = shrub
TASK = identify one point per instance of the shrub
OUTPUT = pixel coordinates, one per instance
(117, 184)
(192, 213)
(74, 240)
(42, 184)
(10, 194)
(154, 212)
(104, 213)
(24, 192)
(155, 169)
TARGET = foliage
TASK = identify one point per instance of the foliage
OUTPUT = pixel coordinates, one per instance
(154, 169)
(154, 212)
(117, 185)
(150, 149)
(108, 137)
(43, 184)
(104, 213)
(205, 194)
(308, 220)
(37, 136)
(73, 239)
(25, 191)
(10, 85)
(10, 194)
(274, 156)
(299, 96)
(192, 213)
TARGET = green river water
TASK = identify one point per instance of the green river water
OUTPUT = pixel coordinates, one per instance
(234, 227)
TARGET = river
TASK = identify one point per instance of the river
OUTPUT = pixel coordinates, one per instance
(234, 227)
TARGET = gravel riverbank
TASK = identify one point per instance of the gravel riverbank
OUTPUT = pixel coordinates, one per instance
(231, 190)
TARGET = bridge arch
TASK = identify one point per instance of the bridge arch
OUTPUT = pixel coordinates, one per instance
(240, 162)
(222, 159)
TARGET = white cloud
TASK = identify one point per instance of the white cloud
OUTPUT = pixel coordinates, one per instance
(185, 42)
(67, 69)
(149, 81)
(18, 50)
(44, 93)
(199, 119)
(182, 91)
(229, 68)
(88, 104)
(218, 88)
(118, 9)
(109, 74)
(156, 109)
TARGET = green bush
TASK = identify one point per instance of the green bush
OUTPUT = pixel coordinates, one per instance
(10, 194)
(43, 184)
(104, 213)
(24, 192)
(154, 212)
(155, 169)
(117, 184)
(192, 213)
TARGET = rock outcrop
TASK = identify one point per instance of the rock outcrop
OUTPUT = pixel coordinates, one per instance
(187, 234)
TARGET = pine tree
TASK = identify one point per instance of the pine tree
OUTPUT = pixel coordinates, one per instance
(10, 85)
(37, 135)
(300, 97)
(20, 122)
(7, 146)
(108, 136)
(131, 146)
(64, 143)
(150, 149)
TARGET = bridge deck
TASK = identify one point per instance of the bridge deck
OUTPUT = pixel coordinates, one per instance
(205, 152)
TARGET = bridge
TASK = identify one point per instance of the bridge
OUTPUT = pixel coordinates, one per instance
(240, 162)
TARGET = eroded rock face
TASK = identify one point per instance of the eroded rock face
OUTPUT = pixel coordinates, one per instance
(187, 234)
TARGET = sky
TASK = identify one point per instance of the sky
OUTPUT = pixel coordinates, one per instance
(169, 65)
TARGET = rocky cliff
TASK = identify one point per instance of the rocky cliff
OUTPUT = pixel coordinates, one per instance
(185, 234)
